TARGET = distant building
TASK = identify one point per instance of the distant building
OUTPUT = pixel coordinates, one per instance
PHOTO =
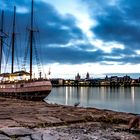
(78, 77)
(106, 78)
(57, 81)
(87, 76)
(126, 78)
(114, 79)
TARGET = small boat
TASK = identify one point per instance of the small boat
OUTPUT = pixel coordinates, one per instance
(20, 84)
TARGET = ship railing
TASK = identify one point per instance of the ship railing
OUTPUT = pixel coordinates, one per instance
(22, 80)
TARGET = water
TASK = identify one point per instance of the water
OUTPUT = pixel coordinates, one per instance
(124, 99)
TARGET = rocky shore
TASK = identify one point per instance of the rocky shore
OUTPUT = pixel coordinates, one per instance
(27, 120)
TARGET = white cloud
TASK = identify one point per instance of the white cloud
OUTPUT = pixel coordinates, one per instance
(94, 69)
(21, 9)
(137, 52)
(106, 46)
(78, 10)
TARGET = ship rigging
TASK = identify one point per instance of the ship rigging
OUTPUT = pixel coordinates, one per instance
(29, 89)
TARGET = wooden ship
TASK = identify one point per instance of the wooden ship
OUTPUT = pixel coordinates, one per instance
(25, 87)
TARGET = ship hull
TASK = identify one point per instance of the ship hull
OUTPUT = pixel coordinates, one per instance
(27, 90)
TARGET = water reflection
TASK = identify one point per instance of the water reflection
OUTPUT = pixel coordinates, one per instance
(119, 99)
(133, 95)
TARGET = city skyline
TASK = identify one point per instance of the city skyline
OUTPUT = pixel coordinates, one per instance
(80, 36)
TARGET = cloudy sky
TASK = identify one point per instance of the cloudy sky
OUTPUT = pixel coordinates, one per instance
(95, 36)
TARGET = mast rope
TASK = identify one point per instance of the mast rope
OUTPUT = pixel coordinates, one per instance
(41, 53)
(8, 54)
(37, 58)
(25, 56)
(17, 58)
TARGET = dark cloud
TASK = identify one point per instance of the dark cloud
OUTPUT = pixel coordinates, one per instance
(120, 52)
(118, 22)
(72, 56)
(57, 29)
(53, 27)
(122, 56)
(115, 28)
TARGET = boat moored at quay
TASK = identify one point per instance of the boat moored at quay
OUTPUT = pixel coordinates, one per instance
(21, 84)
(36, 89)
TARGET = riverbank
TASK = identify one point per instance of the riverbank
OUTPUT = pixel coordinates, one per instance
(40, 121)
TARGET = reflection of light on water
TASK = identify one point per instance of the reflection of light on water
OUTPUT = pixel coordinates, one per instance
(133, 94)
(69, 94)
(103, 93)
(120, 99)
(82, 95)
(66, 96)
(122, 91)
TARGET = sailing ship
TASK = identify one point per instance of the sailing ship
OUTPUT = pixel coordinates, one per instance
(28, 89)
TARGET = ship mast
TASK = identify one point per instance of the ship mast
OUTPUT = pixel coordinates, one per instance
(31, 40)
(1, 38)
(13, 40)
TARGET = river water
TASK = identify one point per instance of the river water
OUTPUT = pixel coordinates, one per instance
(124, 99)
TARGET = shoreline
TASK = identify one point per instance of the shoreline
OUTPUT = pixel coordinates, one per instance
(22, 119)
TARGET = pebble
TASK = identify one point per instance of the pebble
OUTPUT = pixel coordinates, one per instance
(3, 137)
(18, 131)
(65, 133)
(25, 138)
(50, 137)
(37, 136)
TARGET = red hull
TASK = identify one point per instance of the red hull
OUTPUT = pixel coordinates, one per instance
(28, 90)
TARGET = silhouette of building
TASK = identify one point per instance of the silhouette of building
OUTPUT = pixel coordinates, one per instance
(87, 76)
(78, 77)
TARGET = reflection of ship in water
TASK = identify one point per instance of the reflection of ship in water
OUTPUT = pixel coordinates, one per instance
(20, 84)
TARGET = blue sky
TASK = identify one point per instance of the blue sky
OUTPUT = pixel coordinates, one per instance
(94, 36)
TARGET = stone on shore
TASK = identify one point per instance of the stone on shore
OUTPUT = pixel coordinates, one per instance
(18, 131)
(28, 120)
(4, 137)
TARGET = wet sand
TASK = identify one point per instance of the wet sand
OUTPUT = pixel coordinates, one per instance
(30, 120)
